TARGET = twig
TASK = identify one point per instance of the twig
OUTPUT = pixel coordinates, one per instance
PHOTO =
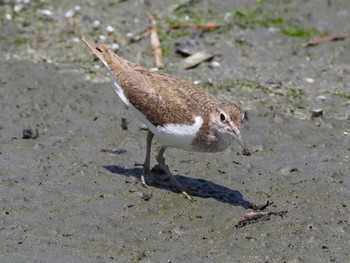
(113, 151)
(196, 25)
(256, 216)
(156, 47)
(324, 39)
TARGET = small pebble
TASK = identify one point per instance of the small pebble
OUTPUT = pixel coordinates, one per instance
(227, 16)
(274, 84)
(96, 24)
(146, 196)
(114, 46)
(309, 80)
(130, 180)
(45, 12)
(17, 8)
(321, 97)
(102, 38)
(109, 29)
(273, 30)
(69, 13)
(316, 113)
(76, 40)
(30, 133)
(177, 230)
(287, 170)
(214, 64)
(8, 16)
(129, 35)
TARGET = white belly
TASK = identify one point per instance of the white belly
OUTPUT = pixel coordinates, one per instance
(179, 135)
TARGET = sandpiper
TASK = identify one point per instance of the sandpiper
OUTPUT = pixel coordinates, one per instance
(179, 113)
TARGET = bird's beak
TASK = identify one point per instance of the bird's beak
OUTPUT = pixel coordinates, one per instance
(237, 135)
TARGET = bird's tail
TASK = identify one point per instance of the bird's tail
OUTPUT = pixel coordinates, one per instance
(99, 50)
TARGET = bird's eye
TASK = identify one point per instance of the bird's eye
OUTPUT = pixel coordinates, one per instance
(222, 117)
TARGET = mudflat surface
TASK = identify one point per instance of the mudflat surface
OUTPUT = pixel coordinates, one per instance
(72, 194)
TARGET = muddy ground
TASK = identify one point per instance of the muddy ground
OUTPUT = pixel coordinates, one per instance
(72, 194)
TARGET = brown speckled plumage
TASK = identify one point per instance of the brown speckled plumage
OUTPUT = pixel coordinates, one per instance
(165, 99)
(144, 88)
(151, 92)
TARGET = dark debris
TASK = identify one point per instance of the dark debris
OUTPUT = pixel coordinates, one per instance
(30, 133)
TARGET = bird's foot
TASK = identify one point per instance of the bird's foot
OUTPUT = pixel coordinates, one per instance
(157, 171)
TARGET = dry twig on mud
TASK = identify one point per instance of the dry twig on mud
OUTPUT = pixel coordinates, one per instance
(156, 47)
(196, 25)
(324, 39)
(113, 151)
(256, 216)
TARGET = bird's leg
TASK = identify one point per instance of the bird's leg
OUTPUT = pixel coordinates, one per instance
(161, 161)
(147, 164)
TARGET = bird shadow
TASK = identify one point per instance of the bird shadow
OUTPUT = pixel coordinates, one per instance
(197, 187)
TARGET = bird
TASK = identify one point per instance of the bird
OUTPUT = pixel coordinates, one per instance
(179, 113)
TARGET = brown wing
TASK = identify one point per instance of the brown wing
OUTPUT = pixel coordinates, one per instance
(160, 97)
(184, 98)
